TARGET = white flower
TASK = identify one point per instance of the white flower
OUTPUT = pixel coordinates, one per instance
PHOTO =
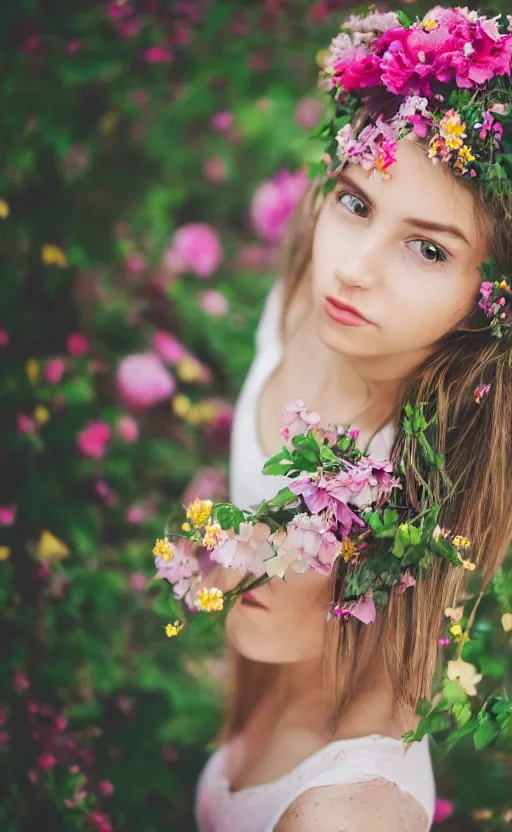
(465, 674)
(248, 550)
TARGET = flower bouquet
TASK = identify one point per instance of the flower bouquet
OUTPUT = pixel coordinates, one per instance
(342, 511)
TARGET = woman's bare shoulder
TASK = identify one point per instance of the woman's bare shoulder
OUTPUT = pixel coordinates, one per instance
(355, 807)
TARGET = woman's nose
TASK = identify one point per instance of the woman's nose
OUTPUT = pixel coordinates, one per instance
(361, 264)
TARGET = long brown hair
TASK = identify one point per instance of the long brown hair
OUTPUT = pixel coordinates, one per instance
(476, 442)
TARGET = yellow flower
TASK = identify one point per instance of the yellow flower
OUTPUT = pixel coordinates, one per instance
(461, 542)
(5, 552)
(189, 369)
(53, 256)
(481, 814)
(199, 512)
(503, 284)
(41, 414)
(348, 550)
(193, 416)
(467, 564)
(212, 535)
(209, 600)
(163, 549)
(108, 123)
(4, 209)
(186, 527)
(452, 129)
(465, 674)
(172, 630)
(51, 548)
(456, 630)
(465, 154)
(181, 405)
(429, 24)
(209, 411)
(32, 370)
(506, 622)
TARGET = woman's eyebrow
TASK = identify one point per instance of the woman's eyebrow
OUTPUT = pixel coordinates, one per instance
(440, 228)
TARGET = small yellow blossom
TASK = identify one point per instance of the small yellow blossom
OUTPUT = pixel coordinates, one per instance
(163, 549)
(41, 414)
(506, 622)
(193, 416)
(209, 600)
(5, 552)
(32, 370)
(461, 542)
(429, 24)
(108, 123)
(465, 674)
(481, 814)
(53, 256)
(181, 404)
(209, 411)
(467, 564)
(51, 548)
(465, 154)
(189, 369)
(503, 284)
(212, 535)
(4, 209)
(186, 527)
(451, 128)
(348, 550)
(172, 630)
(456, 630)
(199, 512)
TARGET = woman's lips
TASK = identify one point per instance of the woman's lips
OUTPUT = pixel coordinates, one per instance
(343, 314)
(250, 600)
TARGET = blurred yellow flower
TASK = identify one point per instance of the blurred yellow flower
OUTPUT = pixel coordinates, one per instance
(506, 622)
(163, 549)
(5, 552)
(172, 630)
(181, 405)
(456, 630)
(212, 535)
(53, 256)
(51, 548)
(209, 600)
(193, 416)
(209, 411)
(189, 369)
(186, 527)
(41, 414)
(32, 370)
(4, 209)
(199, 512)
(108, 123)
(465, 674)
(348, 549)
(481, 814)
(461, 541)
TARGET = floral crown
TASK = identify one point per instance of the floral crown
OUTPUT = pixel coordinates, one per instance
(446, 80)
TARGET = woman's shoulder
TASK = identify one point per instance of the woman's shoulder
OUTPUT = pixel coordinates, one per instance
(355, 807)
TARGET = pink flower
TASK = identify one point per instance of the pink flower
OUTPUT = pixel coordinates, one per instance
(364, 609)
(208, 484)
(129, 28)
(100, 822)
(78, 345)
(61, 723)
(214, 303)
(7, 515)
(332, 493)
(158, 55)
(443, 810)
(308, 113)
(47, 762)
(222, 121)
(298, 419)
(274, 203)
(215, 170)
(107, 494)
(143, 381)
(128, 429)
(195, 247)
(73, 46)
(55, 370)
(254, 257)
(4, 737)
(32, 775)
(444, 642)
(93, 439)
(25, 424)
(135, 514)
(314, 539)
(379, 482)
(135, 263)
(246, 550)
(182, 571)
(21, 681)
(105, 788)
(119, 11)
(168, 347)
(481, 391)
(4, 337)
(138, 581)
(406, 580)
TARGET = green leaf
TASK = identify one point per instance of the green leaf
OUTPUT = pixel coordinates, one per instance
(423, 707)
(228, 516)
(282, 498)
(452, 693)
(485, 735)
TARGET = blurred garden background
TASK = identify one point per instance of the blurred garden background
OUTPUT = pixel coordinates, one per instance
(150, 156)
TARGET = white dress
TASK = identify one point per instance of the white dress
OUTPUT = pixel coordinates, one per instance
(259, 808)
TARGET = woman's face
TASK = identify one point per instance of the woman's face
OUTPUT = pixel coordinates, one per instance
(404, 253)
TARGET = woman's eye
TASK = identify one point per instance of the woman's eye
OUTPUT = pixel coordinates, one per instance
(428, 251)
(353, 204)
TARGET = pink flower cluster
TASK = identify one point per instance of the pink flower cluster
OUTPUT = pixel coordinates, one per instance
(274, 203)
(182, 571)
(194, 248)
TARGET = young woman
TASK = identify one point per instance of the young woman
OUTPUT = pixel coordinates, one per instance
(378, 305)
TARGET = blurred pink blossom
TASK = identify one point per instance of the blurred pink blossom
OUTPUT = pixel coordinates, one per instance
(107, 494)
(135, 514)
(93, 439)
(143, 381)
(32, 775)
(32, 43)
(135, 263)
(443, 810)
(129, 28)
(47, 762)
(195, 247)
(7, 515)
(214, 303)
(25, 423)
(100, 822)
(119, 11)
(128, 429)
(73, 46)
(4, 737)
(274, 203)
(168, 347)
(55, 370)
(308, 113)
(207, 484)
(223, 120)
(4, 337)
(78, 345)
(158, 55)
(138, 581)
(215, 170)
(254, 256)
(105, 788)
(61, 723)
(21, 681)
(319, 13)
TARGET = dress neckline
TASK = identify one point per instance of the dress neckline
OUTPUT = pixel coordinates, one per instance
(330, 746)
